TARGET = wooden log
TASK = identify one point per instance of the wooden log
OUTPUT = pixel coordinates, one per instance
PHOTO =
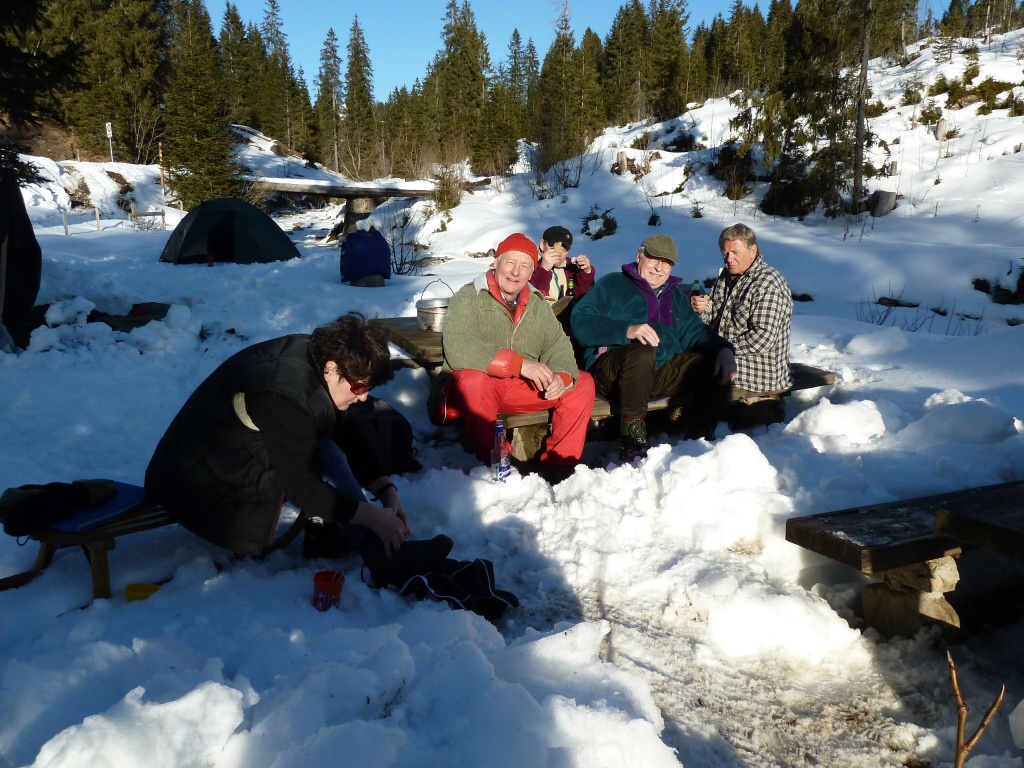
(357, 209)
(882, 202)
(621, 163)
(941, 129)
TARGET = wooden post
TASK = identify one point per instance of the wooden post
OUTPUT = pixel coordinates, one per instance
(893, 167)
(941, 129)
(357, 209)
(97, 218)
(64, 216)
(134, 214)
(882, 202)
(622, 163)
(160, 156)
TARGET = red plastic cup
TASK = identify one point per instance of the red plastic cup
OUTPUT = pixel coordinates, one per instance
(327, 589)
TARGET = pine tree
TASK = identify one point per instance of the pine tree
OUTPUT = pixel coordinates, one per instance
(31, 68)
(953, 23)
(695, 77)
(514, 78)
(668, 57)
(737, 51)
(198, 151)
(124, 66)
(589, 97)
(359, 131)
(772, 60)
(531, 69)
(304, 129)
(569, 101)
(409, 145)
(456, 85)
(255, 65)
(625, 66)
(236, 82)
(275, 109)
(329, 100)
(496, 142)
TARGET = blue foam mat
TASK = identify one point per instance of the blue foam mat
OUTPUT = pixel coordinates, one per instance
(128, 495)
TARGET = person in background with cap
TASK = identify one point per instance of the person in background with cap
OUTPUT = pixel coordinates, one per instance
(555, 268)
(751, 305)
(504, 352)
(642, 341)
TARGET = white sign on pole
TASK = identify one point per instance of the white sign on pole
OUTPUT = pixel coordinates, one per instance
(110, 131)
(110, 140)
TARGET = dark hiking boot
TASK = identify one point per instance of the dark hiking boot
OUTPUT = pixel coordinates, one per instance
(414, 558)
(324, 539)
(633, 440)
(755, 414)
(554, 474)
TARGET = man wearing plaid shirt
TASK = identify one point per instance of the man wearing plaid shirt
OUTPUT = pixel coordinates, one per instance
(751, 306)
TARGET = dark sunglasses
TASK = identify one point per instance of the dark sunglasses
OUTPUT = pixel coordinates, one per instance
(357, 387)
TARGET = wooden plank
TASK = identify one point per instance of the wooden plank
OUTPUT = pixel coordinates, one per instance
(405, 333)
(879, 537)
(807, 376)
(993, 519)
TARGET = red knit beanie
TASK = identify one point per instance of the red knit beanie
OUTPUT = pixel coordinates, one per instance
(517, 242)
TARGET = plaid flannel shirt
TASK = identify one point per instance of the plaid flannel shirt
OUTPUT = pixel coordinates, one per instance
(755, 314)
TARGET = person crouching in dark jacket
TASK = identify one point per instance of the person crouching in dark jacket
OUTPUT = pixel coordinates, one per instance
(263, 427)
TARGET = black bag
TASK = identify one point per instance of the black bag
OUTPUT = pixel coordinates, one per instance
(29, 508)
(463, 584)
(388, 431)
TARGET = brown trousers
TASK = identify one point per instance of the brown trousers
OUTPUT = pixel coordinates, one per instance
(626, 376)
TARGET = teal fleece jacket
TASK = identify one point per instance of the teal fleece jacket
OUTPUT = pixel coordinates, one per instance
(617, 301)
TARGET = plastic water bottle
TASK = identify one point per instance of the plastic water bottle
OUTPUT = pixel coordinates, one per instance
(501, 462)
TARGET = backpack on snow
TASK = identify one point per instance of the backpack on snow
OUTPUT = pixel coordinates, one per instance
(388, 431)
(364, 254)
(464, 584)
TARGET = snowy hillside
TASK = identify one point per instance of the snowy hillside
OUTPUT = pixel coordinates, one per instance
(665, 620)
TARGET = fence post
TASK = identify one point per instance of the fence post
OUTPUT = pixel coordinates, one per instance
(97, 218)
(64, 216)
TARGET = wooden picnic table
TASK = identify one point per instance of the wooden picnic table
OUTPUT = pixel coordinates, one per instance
(992, 519)
(424, 347)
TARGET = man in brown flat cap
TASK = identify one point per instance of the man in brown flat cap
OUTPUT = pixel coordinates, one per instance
(642, 341)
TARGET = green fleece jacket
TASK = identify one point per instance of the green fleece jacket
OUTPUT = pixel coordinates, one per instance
(601, 318)
(480, 332)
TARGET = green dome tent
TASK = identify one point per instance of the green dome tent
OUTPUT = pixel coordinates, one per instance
(227, 229)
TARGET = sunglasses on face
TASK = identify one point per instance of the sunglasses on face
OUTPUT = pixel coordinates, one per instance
(357, 387)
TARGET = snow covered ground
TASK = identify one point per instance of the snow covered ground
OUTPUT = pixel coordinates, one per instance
(664, 618)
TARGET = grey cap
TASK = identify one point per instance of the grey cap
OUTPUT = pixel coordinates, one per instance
(661, 247)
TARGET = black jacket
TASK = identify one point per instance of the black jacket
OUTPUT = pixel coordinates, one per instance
(225, 481)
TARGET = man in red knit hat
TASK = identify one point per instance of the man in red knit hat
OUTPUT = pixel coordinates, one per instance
(505, 352)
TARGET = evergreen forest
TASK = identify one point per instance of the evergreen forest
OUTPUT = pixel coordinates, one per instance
(171, 80)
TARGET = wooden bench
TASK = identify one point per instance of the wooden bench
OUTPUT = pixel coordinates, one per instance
(901, 543)
(95, 542)
(804, 377)
(529, 429)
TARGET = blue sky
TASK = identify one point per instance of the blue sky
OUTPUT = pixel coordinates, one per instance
(404, 35)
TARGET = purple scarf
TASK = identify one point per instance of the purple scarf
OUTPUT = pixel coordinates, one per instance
(659, 308)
